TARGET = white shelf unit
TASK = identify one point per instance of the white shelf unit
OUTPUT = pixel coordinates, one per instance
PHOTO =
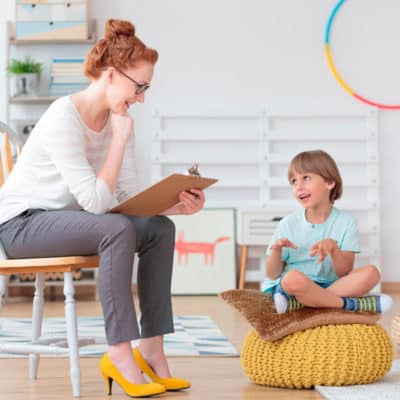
(250, 152)
(226, 145)
(42, 50)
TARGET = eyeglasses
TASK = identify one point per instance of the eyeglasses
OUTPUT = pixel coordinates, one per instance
(140, 87)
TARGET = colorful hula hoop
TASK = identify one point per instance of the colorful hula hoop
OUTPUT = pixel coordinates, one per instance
(336, 73)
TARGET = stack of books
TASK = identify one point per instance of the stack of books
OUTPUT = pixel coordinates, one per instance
(67, 76)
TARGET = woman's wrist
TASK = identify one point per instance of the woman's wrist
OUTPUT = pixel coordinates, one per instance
(119, 140)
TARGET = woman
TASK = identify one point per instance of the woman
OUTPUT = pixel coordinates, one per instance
(77, 164)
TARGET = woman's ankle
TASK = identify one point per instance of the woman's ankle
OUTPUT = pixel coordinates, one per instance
(122, 358)
(156, 359)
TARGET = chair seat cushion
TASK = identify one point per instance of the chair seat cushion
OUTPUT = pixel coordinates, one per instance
(331, 355)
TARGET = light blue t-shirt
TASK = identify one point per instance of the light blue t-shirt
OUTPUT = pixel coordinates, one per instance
(339, 226)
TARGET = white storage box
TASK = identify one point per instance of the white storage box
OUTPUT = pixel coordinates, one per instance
(51, 20)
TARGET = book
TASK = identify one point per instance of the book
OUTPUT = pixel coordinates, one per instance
(162, 195)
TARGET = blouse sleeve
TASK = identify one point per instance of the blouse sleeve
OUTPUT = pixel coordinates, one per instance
(65, 146)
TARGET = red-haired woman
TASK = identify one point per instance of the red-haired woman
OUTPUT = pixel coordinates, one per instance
(76, 165)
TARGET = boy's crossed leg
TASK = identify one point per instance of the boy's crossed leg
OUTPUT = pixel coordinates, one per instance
(297, 290)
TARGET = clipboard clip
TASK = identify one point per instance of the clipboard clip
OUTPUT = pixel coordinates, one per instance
(194, 170)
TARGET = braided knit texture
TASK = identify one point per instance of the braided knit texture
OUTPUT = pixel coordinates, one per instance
(332, 355)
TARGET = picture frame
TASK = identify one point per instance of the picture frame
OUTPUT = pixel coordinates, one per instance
(205, 252)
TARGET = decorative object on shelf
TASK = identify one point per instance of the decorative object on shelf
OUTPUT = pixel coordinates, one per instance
(336, 74)
(67, 76)
(25, 76)
(204, 260)
(48, 20)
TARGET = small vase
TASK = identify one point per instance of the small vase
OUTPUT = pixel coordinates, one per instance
(25, 84)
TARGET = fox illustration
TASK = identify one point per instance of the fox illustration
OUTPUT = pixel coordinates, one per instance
(208, 249)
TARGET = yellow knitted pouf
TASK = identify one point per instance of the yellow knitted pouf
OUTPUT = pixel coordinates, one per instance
(331, 355)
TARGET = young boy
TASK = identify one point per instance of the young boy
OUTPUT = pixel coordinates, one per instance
(311, 255)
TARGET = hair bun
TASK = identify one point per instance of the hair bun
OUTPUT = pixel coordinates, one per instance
(115, 28)
(120, 48)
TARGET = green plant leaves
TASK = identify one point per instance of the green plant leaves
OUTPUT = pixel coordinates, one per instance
(26, 66)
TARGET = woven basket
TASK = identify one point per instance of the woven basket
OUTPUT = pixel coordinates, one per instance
(396, 329)
(331, 355)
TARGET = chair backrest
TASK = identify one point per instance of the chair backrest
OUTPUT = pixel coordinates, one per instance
(8, 137)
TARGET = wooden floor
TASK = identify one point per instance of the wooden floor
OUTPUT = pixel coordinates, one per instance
(211, 378)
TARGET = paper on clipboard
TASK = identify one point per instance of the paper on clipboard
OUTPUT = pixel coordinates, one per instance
(162, 195)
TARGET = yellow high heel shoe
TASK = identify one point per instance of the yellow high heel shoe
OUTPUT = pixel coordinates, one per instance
(110, 373)
(171, 384)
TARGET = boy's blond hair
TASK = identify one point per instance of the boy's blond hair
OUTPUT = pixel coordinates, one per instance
(321, 163)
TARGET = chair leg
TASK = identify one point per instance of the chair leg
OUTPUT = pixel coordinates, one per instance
(3, 289)
(37, 319)
(244, 249)
(72, 334)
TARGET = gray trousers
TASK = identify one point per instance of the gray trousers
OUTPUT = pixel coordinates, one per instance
(115, 238)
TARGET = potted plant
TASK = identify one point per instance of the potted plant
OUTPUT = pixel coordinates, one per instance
(26, 76)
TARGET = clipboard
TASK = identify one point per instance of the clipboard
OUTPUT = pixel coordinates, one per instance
(162, 195)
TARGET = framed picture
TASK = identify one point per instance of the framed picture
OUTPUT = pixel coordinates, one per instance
(205, 252)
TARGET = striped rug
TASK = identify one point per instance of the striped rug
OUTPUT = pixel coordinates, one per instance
(194, 335)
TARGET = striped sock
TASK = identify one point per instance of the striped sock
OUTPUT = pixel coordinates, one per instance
(366, 303)
(285, 303)
(294, 304)
(374, 303)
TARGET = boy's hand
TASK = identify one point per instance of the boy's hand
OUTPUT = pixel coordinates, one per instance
(323, 248)
(283, 242)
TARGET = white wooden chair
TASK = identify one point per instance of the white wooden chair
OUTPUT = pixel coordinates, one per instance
(39, 266)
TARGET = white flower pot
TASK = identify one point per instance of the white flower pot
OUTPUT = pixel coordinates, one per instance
(25, 84)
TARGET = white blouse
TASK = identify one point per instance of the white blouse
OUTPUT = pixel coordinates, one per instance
(58, 166)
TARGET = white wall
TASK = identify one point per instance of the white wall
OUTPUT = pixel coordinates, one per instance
(244, 53)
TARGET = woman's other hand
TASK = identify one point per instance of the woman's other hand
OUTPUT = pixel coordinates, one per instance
(189, 203)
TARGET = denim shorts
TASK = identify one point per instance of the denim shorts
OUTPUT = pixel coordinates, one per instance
(278, 287)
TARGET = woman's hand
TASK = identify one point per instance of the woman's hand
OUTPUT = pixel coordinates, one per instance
(121, 126)
(189, 203)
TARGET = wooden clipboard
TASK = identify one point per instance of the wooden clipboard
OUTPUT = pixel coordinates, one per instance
(162, 195)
